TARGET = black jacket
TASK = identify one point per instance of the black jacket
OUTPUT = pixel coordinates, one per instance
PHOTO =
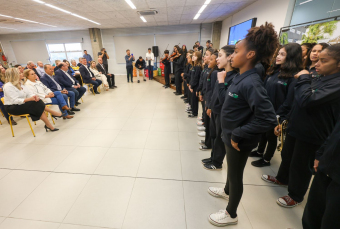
(166, 63)
(141, 63)
(247, 111)
(179, 63)
(219, 91)
(186, 72)
(86, 74)
(195, 75)
(210, 85)
(281, 93)
(202, 84)
(261, 71)
(329, 155)
(316, 108)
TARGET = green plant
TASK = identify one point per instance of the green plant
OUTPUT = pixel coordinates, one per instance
(316, 31)
(284, 38)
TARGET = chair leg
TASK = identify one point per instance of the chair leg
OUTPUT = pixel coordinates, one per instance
(82, 99)
(30, 126)
(10, 123)
(52, 118)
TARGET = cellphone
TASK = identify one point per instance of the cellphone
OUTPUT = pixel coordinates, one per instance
(132, 54)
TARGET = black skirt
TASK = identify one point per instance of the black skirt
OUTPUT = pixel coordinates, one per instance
(34, 109)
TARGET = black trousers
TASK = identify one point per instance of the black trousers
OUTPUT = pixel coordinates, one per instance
(322, 208)
(106, 66)
(186, 89)
(194, 102)
(301, 169)
(286, 158)
(189, 97)
(79, 79)
(236, 161)
(167, 75)
(178, 82)
(129, 72)
(271, 138)
(207, 140)
(34, 109)
(203, 109)
(111, 80)
(218, 151)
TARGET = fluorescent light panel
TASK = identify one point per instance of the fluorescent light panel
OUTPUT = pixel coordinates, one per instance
(38, 1)
(130, 4)
(201, 9)
(305, 2)
(5, 16)
(6, 28)
(57, 8)
(21, 19)
(143, 19)
(196, 16)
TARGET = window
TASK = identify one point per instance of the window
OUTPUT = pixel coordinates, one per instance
(68, 51)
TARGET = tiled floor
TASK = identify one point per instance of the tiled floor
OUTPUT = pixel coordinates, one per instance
(128, 160)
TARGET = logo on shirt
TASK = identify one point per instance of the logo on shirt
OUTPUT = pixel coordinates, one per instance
(235, 96)
(314, 90)
(283, 83)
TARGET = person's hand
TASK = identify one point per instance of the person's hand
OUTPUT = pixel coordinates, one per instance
(51, 94)
(209, 113)
(303, 72)
(235, 145)
(201, 98)
(196, 93)
(316, 165)
(36, 98)
(228, 68)
(94, 78)
(277, 130)
(1, 89)
(100, 72)
(182, 74)
(32, 98)
(191, 90)
(221, 76)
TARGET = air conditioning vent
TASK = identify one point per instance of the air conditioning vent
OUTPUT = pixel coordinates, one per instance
(9, 21)
(148, 12)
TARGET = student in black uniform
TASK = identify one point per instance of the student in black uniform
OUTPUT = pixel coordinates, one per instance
(186, 78)
(314, 114)
(322, 208)
(179, 67)
(279, 84)
(194, 81)
(222, 83)
(313, 57)
(167, 68)
(246, 113)
(306, 47)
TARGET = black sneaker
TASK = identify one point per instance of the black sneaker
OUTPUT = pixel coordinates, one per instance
(255, 154)
(260, 163)
(71, 113)
(203, 147)
(138, 81)
(131, 81)
(192, 116)
(211, 166)
(144, 79)
(183, 97)
(207, 160)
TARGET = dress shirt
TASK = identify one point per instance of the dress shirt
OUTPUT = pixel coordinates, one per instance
(40, 70)
(39, 89)
(150, 58)
(14, 96)
(88, 70)
(68, 75)
(52, 78)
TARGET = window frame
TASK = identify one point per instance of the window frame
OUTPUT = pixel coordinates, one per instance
(65, 51)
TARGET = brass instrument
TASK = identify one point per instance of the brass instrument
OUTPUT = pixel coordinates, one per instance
(283, 132)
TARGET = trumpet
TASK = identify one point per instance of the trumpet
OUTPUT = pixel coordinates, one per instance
(283, 132)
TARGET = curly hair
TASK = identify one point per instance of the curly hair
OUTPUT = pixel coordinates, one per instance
(264, 41)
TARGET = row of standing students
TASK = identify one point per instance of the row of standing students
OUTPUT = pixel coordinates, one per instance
(240, 111)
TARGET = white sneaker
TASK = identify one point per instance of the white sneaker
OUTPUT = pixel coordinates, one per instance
(222, 219)
(202, 128)
(218, 192)
(199, 118)
(201, 134)
(200, 123)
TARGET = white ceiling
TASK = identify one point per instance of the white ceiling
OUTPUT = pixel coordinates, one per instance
(112, 13)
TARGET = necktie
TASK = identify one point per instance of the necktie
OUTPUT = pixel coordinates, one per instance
(58, 86)
(103, 68)
(73, 82)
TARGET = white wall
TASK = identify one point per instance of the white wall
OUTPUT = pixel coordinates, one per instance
(273, 11)
(65, 35)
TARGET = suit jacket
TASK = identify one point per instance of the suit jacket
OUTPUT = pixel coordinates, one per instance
(86, 74)
(102, 70)
(45, 79)
(64, 81)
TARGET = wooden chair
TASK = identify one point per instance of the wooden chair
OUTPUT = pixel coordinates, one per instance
(23, 115)
(89, 85)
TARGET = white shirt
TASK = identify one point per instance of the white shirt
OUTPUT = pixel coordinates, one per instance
(73, 82)
(14, 96)
(40, 70)
(149, 56)
(39, 89)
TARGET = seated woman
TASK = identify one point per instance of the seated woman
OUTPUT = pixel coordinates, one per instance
(75, 68)
(2, 106)
(45, 94)
(19, 100)
(99, 75)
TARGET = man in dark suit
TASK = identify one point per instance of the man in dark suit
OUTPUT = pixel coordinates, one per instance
(110, 77)
(30, 65)
(68, 82)
(88, 76)
(50, 82)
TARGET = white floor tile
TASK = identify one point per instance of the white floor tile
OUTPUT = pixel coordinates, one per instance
(4, 172)
(120, 162)
(137, 124)
(102, 203)
(163, 164)
(100, 138)
(2, 219)
(70, 226)
(189, 140)
(162, 140)
(156, 204)
(165, 125)
(112, 123)
(16, 155)
(11, 223)
(52, 200)
(130, 139)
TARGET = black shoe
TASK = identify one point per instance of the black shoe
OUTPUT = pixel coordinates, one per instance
(128, 82)
(211, 166)
(144, 79)
(175, 92)
(255, 154)
(207, 160)
(91, 90)
(202, 142)
(192, 116)
(77, 103)
(112, 87)
(183, 97)
(166, 87)
(203, 147)
(178, 93)
(14, 123)
(138, 81)
(260, 163)
(115, 86)
(97, 93)
(71, 112)
(131, 81)
(46, 128)
(75, 109)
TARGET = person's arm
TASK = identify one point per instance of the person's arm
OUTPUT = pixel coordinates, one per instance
(223, 84)
(307, 97)
(286, 106)
(100, 54)
(263, 111)
(210, 88)
(107, 56)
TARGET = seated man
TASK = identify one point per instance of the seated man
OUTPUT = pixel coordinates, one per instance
(30, 65)
(68, 82)
(50, 82)
(89, 77)
(40, 68)
(110, 77)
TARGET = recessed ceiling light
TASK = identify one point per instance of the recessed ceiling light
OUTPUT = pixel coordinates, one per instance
(143, 19)
(201, 9)
(305, 2)
(130, 4)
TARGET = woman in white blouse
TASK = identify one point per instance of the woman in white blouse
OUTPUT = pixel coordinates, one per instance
(99, 75)
(45, 94)
(19, 100)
